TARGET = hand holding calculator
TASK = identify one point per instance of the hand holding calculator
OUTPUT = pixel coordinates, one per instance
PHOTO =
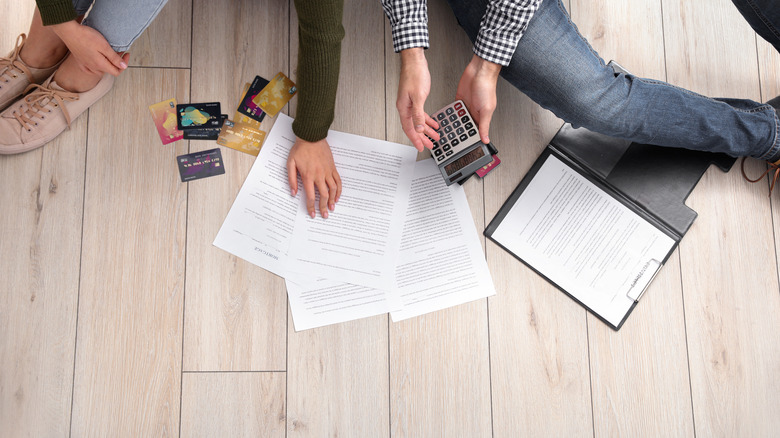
(459, 153)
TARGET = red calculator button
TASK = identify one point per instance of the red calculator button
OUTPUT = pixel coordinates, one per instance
(458, 105)
(461, 113)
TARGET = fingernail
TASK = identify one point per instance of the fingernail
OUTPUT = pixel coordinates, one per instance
(332, 206)
(292, 193)
(311, 213)
(123, 65)
(325, 214)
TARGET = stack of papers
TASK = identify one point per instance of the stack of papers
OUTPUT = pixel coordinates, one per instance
(399, 240)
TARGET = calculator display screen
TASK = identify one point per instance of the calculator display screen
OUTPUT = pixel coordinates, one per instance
(464, 161)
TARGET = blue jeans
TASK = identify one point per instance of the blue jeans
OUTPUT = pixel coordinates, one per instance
(764, 17)
(556, 67)
(120, 22)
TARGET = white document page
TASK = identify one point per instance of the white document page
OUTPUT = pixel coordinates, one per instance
(260, 223)
(582, 239)
(441, 263)
(358, 242)
(323, 302)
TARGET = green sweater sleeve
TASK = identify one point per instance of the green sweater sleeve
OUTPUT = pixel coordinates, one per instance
(319, 57)
(56, 11)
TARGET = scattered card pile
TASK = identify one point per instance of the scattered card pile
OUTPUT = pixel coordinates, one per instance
(205, 121)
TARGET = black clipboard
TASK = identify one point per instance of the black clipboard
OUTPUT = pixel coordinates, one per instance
(651, 181)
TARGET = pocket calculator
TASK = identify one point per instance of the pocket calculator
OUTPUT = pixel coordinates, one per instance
(459, 152)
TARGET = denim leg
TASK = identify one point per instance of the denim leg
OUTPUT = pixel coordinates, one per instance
(764, 17)
(121, 22)
(557, 68)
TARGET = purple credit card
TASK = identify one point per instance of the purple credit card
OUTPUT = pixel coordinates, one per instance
(247, 106)
(199, 165)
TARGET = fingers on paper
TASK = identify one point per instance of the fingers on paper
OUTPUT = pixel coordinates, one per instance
(292, 177)
(308, 187)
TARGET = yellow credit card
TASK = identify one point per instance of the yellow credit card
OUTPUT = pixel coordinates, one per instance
(275, 95)
(241, 137)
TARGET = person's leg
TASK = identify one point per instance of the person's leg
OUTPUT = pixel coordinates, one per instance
(43, 48)
(35, 57)
(764, 17)
(49, 108)
(558, 69)
(120, 23)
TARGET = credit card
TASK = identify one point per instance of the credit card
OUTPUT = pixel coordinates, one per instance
(199, 165)
(276, 94)
(241, 138)
(247, 106)
(199, 115)
(242, 119)
(482, 171)
(205, 133)
(164, 116)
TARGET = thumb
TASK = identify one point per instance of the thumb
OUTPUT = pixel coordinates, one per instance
(118, 60)
(484, 127)
(418, 117)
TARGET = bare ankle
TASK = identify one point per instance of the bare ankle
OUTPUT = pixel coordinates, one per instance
(76, 83)
(42, 58)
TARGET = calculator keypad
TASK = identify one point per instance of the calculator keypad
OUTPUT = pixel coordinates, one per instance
(456, 131)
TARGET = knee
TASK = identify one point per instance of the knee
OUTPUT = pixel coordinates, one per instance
(599, 103)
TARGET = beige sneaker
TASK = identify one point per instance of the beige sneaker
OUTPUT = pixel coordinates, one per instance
(16, 76)
(44, 113)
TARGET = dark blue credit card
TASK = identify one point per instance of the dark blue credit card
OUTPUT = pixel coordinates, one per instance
(199, 165)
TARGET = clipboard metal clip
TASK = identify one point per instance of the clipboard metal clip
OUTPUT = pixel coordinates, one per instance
(640, 285)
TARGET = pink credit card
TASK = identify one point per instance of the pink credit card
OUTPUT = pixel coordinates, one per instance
(482, 171)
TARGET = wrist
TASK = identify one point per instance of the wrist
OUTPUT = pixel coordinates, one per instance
(415, 55)
(484, 67)
(309, 143)
(64, 28)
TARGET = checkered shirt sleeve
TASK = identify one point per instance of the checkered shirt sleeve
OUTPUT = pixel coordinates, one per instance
(503, 25)
(409, 23)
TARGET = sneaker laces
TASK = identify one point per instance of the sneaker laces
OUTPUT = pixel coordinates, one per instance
(773, 167)
(37, 101)
(9, 66)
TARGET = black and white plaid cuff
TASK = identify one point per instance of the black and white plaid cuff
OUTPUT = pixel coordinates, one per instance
(410, 35)
(500, 51)
(503, 25)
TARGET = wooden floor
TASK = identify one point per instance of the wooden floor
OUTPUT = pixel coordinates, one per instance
(118, 318)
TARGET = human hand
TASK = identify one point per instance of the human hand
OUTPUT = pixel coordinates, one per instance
(477, 89)
(314, 162)
(413, 88)
(90, 49)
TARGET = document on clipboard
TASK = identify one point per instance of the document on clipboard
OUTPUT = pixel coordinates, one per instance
(583, 240)
(599, 216)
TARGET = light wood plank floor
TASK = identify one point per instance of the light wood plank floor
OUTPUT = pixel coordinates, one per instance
(119, 318)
